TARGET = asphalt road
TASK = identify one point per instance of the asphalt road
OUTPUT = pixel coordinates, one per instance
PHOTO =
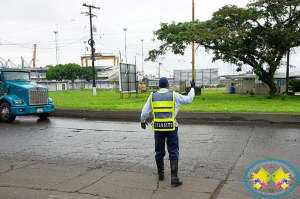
(59, 151)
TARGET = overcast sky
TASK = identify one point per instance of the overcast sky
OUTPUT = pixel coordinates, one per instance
(25, 23)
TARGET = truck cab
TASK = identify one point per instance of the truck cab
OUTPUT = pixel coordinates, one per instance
(19, 96)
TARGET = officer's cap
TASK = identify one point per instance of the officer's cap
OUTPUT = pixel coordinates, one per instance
(163, 81)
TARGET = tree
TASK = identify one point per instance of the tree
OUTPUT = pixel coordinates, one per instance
(258, 35)
(54, 73)
(87, 73)
(70, 72)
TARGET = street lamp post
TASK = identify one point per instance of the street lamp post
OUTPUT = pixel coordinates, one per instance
(125, 29)
(193, 44)
(135, 58)
(142, 40)
(56, 32)
(159, 64)
(84, 48)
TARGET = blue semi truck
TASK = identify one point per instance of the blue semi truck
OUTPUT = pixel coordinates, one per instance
(20, 96)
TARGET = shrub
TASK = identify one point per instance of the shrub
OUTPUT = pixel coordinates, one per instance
(295, 84)
(283, 96)
(114, 81)
(251, 93)
(221, 85)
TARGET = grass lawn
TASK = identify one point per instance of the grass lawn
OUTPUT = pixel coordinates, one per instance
(209, 101)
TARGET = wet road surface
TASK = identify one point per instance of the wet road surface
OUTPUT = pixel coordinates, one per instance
(218, 153)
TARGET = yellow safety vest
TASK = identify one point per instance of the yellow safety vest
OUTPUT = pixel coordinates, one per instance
(163, 124)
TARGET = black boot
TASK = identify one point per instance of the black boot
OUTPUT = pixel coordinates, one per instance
(160, 169)
(174, 170)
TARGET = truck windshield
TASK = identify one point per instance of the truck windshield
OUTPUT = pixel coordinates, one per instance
(16, 76)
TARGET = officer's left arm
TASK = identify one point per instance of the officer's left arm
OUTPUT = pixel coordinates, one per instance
(146, 110)
(184, 100)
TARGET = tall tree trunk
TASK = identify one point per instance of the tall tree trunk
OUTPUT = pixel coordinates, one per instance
(273, 89)
(268, 79)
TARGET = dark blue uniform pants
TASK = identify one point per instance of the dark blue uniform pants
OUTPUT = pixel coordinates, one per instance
(172, 143)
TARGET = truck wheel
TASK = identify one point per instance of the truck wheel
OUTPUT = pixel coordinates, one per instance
(43, 116)
(5, 113)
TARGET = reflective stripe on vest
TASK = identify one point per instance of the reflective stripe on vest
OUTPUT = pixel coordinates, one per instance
(163, 104)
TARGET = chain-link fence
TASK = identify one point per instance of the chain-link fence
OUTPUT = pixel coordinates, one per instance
(203, 77)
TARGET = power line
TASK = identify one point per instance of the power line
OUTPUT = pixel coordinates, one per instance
(122, 4)
(107, 4)
(157, 19)
(42, 21)
(166, 70)
(49, 31)
(68, 44)
(41, 42)
(131, 32)
(68, 20)
(131, 58)
(30, 28)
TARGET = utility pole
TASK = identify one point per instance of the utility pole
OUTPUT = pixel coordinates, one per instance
(125, 29)
(159, 69)
(34, 55)
(142, 56)
(55, 33)
(83, 64)
(288, 65)
(287, 71)
(91, 42)
(193, 46)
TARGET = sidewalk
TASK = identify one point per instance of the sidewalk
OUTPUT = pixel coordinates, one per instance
(36, 180)
(183, 117)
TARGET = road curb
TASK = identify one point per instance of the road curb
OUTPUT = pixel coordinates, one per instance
(183, 117)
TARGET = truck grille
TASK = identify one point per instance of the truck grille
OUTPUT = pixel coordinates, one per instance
(38, 97)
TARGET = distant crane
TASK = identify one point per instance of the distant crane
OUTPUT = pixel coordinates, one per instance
(23, 62)
(13, 65)
(99, 56)
(33, 60)
(3, 62)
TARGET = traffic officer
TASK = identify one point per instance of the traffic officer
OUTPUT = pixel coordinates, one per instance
(164, 107)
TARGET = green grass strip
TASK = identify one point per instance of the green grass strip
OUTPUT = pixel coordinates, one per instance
(209, 101)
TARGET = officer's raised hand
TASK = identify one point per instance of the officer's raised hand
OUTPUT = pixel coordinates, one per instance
(193, 84)
(143, 125)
